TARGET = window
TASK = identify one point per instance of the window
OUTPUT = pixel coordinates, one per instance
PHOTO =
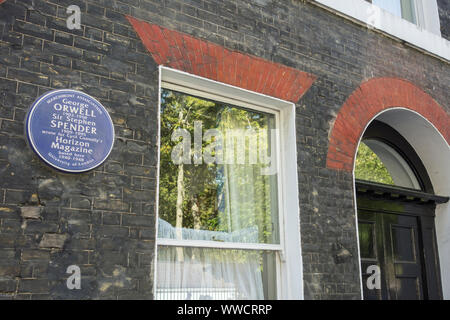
(369, 167)
(221, 230)
(378, 162)
(401, 8)
(384, 156)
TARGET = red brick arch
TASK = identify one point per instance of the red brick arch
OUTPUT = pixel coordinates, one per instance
(206, 59)
(372, 97)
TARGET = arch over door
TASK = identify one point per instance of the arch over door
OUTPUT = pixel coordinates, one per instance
(365, 103)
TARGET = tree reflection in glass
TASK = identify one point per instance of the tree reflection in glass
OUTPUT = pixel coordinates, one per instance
(229, 200)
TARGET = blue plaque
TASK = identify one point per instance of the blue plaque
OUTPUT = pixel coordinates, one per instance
(70, 130)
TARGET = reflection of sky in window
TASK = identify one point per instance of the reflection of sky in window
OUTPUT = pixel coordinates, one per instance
(393, 6)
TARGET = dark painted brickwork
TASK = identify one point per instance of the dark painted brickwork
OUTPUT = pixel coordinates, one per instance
(104, 220)
(106, 217)
(444, 15)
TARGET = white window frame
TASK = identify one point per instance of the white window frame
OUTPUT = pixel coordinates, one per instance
(426, 13)
(425, 35)
(289, 259)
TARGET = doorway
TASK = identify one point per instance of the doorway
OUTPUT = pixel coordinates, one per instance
(396, 219)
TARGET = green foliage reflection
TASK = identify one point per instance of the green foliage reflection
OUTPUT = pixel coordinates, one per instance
(370, 168)
(234, 199)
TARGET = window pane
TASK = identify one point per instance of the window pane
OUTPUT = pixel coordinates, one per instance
(393, 6)
(370, 168)
(185, 273)
(408, 11)
(216, 179)
(367, 240)
(378, 162)
(401, 8)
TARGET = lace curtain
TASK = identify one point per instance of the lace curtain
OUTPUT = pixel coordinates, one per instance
(204, 273)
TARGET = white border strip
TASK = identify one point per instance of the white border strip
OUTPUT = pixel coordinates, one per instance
(155, 262)
(219, 245)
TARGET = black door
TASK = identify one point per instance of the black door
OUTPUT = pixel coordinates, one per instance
(397, 236)
(391, 242)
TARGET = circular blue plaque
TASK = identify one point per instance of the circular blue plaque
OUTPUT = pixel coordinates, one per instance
(70, 130)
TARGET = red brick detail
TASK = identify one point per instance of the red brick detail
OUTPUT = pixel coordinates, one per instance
(1, 1)
(365, 103)
(186, 53)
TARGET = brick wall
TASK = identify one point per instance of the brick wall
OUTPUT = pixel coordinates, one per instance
(106, 216)
(104, 220)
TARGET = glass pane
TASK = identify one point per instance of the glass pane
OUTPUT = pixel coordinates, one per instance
(393, 6)
(370, 168)
(378, 162)
(366, 240)
(217, 179)
(185, 273)
(401, 8)
(408, 11)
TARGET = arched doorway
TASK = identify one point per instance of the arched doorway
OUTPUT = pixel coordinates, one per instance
(425, 126)
(396, 207)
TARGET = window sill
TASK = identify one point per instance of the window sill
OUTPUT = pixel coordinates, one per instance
(386, 22)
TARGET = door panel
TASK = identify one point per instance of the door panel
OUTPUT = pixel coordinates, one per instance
(371, 250)
(391, 242)
(402, 259)
(408, 288)
(403, 243)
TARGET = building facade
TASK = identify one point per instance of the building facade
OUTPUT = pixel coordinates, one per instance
(315, 78)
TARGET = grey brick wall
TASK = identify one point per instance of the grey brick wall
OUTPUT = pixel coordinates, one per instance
(105, 218)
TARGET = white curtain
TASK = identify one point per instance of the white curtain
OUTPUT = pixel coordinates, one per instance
(248, 196)
(188, 273)
(167, 231)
